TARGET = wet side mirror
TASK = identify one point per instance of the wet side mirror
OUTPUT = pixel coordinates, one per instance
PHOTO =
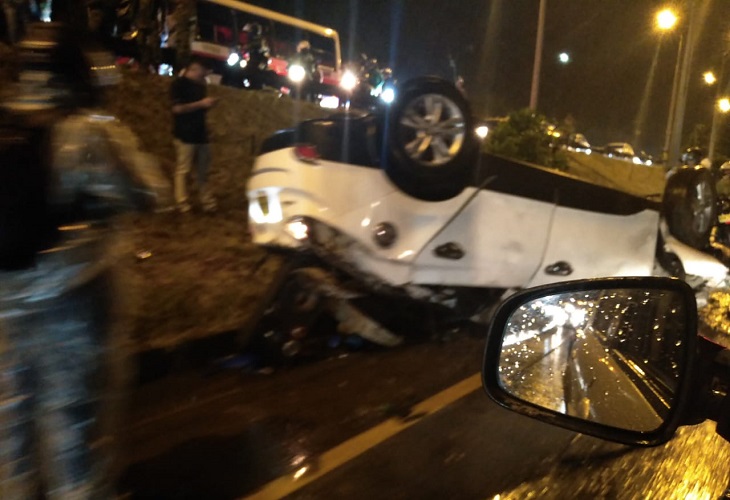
(608, 357)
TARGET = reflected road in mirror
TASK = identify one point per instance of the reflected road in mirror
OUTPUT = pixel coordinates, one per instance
(611, 357)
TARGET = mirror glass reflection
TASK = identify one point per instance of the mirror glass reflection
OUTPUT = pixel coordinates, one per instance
(612, 357)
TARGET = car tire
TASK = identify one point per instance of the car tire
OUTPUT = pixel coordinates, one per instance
(431, 144)
(690, 206)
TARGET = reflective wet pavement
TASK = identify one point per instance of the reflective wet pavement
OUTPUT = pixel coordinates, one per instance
(230, 435)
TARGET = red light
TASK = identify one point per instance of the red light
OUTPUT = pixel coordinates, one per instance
(306, 152)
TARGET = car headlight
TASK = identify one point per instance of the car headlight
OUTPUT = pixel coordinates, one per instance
(233, 58)
(348, 80)
(388, 95)
(297, 73)
(482, 131)
(265, 208)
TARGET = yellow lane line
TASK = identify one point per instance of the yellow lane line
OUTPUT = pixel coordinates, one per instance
(356, 446)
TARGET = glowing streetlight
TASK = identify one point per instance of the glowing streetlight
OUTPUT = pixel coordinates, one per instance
(564, 58)
(666, 19)
(709, 77)
(723, 104)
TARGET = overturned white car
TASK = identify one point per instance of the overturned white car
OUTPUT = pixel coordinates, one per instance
(386, 214)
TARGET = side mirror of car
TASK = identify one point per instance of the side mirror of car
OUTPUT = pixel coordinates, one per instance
(611, 357)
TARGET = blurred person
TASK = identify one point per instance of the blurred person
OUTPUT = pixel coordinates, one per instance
(723, 184)
(68, 168)
(693, 158)
(721, 231)
(256, 46)
(253, 73)
(16, 14)
(305, 58)
(190, 105)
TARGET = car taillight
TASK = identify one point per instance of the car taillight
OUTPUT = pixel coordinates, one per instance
(306, 153)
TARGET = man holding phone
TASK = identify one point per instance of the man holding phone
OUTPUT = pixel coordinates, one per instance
(189, 107)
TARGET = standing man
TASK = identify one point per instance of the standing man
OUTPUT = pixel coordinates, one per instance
(189, 107)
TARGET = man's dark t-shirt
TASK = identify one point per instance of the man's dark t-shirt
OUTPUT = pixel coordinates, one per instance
(189, 127)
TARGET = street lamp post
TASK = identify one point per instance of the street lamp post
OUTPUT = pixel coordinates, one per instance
(666, 20)
(537, 64)
(722, 106)
(683, 83)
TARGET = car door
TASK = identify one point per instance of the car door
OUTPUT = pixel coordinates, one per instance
(501, 239)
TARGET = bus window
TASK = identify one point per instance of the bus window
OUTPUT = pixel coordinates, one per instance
(323, 49)
(216, 24)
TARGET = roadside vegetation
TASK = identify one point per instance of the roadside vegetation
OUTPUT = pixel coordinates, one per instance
(523, 136)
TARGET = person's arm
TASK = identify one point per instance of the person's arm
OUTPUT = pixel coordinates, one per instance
(179, 107)
(204, 103)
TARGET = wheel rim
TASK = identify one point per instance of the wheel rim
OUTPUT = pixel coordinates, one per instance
(702, 207)
(433, 129)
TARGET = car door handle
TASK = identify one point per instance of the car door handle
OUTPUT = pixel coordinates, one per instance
(560, 268)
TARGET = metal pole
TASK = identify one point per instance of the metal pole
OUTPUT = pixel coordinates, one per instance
(713, 131)
(645, 98)
(538, 55)
(676, 140)
(672, 102)
(715, 114)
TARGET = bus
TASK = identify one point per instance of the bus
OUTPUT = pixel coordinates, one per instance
(250, 46)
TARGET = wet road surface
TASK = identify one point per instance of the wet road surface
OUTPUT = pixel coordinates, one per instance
(346, 427)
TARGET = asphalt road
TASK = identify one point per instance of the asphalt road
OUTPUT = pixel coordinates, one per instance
(406, 423)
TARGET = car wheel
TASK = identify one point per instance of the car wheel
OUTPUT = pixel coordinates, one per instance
(690, 206)
(431, 141)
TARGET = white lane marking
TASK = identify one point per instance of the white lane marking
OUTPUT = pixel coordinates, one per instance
(357, 445)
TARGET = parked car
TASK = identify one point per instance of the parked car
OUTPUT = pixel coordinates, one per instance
(579, 144)
(620, 150)
(644, 158)
(383, 213)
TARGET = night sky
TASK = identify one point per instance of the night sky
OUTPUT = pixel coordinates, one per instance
(611, 42)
